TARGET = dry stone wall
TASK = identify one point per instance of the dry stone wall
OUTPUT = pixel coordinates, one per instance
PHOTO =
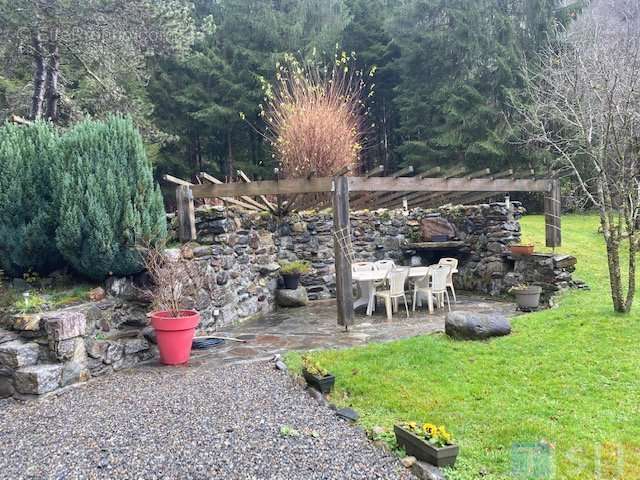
(238, 254)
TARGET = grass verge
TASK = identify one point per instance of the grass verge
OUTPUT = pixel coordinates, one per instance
(567, 377)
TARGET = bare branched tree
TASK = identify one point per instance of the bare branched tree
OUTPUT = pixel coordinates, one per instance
(176, 281)
(582, 103)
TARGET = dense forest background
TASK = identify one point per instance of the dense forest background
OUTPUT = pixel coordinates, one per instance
(190, 73)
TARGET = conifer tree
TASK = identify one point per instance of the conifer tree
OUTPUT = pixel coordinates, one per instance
(28, 216)
(108, 201)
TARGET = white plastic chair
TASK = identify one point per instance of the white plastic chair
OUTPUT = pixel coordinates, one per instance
(363, 267)
(396, 279)
(453, 263)
(385, 265)
(422, 286)
(439, 275)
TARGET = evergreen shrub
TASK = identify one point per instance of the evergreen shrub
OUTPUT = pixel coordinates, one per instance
(28, 213)
(109, 202)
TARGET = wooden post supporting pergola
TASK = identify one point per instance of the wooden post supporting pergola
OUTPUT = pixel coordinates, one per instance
(422, 188)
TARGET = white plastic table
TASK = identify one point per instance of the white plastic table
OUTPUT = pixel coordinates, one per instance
(367, 279)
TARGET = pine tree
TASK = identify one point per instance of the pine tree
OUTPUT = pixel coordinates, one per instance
(28, 217)
(459, 59)
(367, 37)
(109, 204)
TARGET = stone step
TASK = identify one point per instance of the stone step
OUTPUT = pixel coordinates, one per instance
(38, 379)
(17, 354)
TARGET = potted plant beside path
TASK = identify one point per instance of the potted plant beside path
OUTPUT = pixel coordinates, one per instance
(317, 376)
(175, 283)
(427, 443)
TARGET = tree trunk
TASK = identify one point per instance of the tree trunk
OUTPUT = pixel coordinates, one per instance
(230, 161)
(613, 259)
(53, 74)
(39, 73)
(631, 289)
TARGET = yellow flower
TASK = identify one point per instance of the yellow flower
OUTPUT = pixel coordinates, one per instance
(444, 436)
(429, 429)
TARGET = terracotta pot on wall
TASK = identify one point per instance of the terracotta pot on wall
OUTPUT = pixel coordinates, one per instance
(522, 249)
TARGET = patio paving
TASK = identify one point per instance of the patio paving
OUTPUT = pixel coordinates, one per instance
(315, 327)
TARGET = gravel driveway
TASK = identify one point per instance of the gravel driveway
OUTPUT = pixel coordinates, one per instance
(179, 423)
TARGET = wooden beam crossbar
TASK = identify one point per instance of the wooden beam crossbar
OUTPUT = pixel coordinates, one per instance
(270, 206)
(395, 199)
(438, 199)
(431, 197)
(369, 197)
(245, 202)
(360, 184)
(389, 197)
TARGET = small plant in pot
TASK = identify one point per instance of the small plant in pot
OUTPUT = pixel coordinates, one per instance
(291, 272)
(317, 376)
(525, 248)
(527, 296)
(427, 442)
(175, 281)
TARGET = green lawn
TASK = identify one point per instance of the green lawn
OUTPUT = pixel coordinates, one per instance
(567, 376)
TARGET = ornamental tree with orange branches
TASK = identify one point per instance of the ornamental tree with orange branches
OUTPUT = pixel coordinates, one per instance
(315, 116)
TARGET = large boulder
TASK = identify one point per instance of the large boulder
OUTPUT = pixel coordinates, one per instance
(476, 326)
(292, 298)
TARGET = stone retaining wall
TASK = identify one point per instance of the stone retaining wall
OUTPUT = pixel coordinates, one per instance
(486, 265)
(40, 353)
(237, 254)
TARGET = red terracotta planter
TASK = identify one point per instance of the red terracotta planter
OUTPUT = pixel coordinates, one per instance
(522, 249)
(175, 334)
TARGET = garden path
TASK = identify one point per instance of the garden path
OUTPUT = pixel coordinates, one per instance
(315, 327)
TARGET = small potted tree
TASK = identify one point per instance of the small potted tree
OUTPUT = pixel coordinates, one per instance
(427, 442)
(317, 376)
(175, 283)
(291, 272)
(527, 296)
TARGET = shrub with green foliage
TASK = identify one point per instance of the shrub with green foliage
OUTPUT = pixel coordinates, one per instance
(109, 203)
(28, 214)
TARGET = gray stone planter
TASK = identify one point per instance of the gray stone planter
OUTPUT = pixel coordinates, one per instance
(423, 450)
(528, 298)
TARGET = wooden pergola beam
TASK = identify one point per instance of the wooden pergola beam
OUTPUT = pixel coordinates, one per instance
(375, 171)
(468, 198)
(445, 198)
(270, 206)
(390, 198)
(423, 197)
(361, 184)
(368, 197)
(398, 199)
(245, 202)
(176, 181)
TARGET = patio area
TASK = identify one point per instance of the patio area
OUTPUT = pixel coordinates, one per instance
(314, 327)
